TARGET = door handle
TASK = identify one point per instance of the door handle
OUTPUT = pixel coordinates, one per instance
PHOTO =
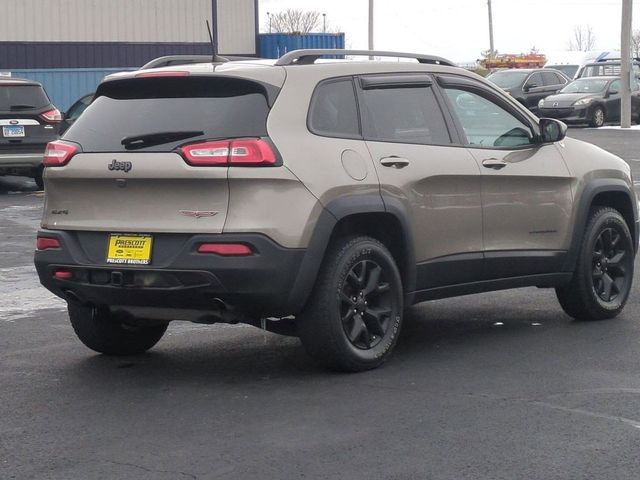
(494, 163)
(395, 162)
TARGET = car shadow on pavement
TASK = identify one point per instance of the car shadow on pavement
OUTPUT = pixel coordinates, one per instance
(248, 355)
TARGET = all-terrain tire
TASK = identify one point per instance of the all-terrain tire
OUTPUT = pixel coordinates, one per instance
(603, 275)
(100, 331)
(353, 317)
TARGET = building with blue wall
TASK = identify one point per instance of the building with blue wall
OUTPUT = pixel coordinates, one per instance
(70, 45)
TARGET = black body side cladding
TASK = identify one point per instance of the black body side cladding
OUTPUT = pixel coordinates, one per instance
(544, 280)
(334, 212)
(591, 190)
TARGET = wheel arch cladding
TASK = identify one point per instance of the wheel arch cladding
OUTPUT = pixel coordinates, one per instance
(612, 193)
(356, 214)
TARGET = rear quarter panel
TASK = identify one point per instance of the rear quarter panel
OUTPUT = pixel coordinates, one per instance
(315, 160)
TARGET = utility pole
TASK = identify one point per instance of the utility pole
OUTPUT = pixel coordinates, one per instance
(324, 23)
(625, 67)
(371, 27)
(491, 50)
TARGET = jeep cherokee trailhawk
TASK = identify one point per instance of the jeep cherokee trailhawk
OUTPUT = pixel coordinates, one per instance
(319, 199)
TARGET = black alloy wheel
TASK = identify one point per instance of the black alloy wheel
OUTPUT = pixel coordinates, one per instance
(610, 265)
(603, 274)
(353, 318)
(366, 304)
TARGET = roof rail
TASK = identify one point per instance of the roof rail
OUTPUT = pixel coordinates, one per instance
(170, 60)
(309, 56)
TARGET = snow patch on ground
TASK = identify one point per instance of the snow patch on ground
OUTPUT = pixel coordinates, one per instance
(21, 295)
(617, 127)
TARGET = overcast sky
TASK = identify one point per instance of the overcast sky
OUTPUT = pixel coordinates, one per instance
(458, 29)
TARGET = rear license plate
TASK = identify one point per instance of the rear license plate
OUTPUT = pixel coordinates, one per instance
(129, 248)
(13, 131)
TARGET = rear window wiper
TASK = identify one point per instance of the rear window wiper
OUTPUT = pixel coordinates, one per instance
(135, 142)
(21, 107)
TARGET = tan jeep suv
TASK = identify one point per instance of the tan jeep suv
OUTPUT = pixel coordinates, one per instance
(319, 199)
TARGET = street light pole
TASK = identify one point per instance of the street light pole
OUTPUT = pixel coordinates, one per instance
(269, 15)
(625, 67)
(371, 27)
(324, 23)
(491, 50)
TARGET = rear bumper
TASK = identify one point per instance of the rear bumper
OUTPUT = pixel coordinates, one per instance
(179, 277)
(19, 163)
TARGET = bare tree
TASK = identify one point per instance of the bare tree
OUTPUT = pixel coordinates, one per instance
(295, 21)
(584, 39)
(635, 43)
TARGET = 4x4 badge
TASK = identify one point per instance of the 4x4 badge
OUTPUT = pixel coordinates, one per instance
(197, 213)
(116, 165)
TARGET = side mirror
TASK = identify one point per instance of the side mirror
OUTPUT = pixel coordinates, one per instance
(529, 86)
(552, 130)
(613, 91)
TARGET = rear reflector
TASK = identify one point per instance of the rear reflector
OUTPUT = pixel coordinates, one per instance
(162, 74)
(45, 243)
(63, 274)
(58, 153)
(52, 116)
(245, 152)
(226, 249)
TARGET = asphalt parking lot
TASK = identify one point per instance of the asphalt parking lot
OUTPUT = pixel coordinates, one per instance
(493, 386)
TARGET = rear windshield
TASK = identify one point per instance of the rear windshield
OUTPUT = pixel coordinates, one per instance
(14, 98)
(568, 70)
(159, 114)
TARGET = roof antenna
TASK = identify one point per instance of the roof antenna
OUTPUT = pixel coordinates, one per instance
(215, 58)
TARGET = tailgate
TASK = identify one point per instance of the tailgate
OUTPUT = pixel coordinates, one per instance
(25, 134)
(135, 192)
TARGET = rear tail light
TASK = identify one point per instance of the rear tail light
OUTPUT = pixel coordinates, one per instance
(226, 249)
(251, 152)
(52, 116)
(207, 153)
(247, 152)
(58, 153)
(46, 243)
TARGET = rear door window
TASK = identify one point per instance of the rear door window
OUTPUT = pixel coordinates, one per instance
(403, 114)
(185, 109)
(551, 78)
(14, 98)
(334, 111)
(535, 80)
